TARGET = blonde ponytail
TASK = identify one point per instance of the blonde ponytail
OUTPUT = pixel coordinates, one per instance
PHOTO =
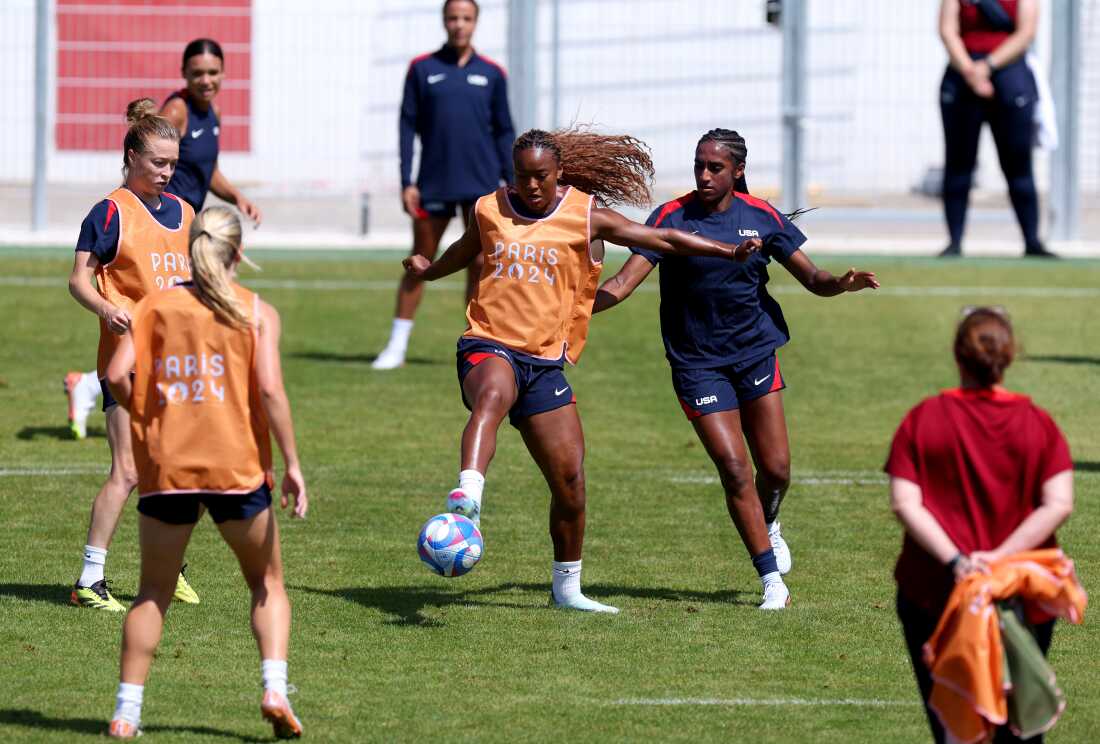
(215, 243)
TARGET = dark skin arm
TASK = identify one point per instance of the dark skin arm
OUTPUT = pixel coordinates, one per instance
(611, 226)
(824, 284)
(618, 288)
(457, 257)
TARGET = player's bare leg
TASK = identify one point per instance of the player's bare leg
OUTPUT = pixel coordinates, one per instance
(556, 442)
(766, 431)
(490, 389)
(722, 437)
(427, 232)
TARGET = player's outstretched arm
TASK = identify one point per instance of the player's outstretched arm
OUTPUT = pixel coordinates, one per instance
(609, 225)
(457, 257)
(824, 283)
(269, 379)
(619, 287)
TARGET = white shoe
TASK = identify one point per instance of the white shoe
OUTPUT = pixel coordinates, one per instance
(459, 503)
(81, 404)
(390, 358)
(583, 604)
(776, 596)
(780, 549)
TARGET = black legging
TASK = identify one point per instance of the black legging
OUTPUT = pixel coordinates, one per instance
(918, 627)
(1010, 116)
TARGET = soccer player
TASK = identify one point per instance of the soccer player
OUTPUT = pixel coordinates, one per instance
(194, 113)
(977, 474)
(206, 381)
(721, 330)
(456, 101)
(133, 243)
(530, 312)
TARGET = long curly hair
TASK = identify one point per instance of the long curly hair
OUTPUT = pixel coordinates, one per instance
(616, 169)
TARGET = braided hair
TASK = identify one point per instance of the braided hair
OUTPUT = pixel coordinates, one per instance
(738, 150)
(616, 169)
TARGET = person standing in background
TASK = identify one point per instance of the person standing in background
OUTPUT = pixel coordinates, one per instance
(988, 80)
(456, 101)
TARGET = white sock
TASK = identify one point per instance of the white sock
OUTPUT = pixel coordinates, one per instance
(89, 385)
(128, 703)
(399, 334)
(566, 579)
(274, 674)
(472, 484)
(771, 578)
(94, 560)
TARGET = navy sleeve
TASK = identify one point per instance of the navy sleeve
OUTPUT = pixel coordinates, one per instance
(99, 232)
(504, 134)
(784, 240)
(407, 125)
(654, 257)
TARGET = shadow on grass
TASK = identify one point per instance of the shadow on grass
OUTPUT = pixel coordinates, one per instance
(1062, 359)
(1087, 467)
(57, 594)
(30, 433)
(95, 726)
(405, 604)
(329, 356)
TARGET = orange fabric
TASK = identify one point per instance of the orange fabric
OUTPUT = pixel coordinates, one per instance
(196, 417)
(539, 280)
(150, 257)
(965, 656)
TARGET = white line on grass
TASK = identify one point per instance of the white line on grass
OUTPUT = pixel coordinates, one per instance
(810, 478)
(351, 285)
(32, 471)
(777, 702)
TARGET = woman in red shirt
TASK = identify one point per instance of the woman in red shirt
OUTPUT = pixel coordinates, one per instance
(977, 473)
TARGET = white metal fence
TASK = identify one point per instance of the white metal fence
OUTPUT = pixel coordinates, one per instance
(325, 80)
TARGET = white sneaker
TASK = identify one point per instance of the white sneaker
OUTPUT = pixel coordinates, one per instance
(81, 404)
(390, 358)
(583, 604)
(776, 596)
(780, 549)
(459, 503)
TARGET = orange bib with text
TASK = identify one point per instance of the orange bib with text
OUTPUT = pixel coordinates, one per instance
(150, 257)
(196, 418)
(539, 280)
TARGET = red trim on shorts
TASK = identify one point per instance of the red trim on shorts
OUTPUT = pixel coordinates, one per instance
(477, 357)
(690, 412)
(111, 209)
(421, 214)
(672, 206)
(759, 204)
(777, 383)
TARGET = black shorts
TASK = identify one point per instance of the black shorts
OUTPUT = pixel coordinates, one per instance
(183, 508)
(540, 387)
(703, 391)
(443, 209)
(108, 399)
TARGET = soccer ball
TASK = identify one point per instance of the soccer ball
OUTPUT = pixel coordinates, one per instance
(450, 544)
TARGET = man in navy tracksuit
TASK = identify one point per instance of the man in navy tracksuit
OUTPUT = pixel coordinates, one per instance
(457, 102)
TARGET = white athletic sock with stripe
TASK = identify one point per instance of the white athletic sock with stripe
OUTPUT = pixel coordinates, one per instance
(94, 560)
(128, 703)
(566, 580)
(399, 334)
(472, 484)
(274, 675)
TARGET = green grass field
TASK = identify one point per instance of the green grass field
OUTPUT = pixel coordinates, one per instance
(382, 650)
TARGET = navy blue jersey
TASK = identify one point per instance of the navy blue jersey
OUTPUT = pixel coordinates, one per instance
(461, 116)
(198, 154)
(714, 311)
(99, 231)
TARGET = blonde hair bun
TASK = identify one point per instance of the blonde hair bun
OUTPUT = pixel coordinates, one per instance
(139, 109)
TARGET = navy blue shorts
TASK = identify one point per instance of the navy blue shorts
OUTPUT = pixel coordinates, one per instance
(444, 209)
(184, 508)
(541, 386)
(108, 399)
(703, 391)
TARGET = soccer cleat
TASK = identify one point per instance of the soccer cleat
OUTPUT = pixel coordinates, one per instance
(459, 503)
(80, 404)
(583, 604)
(780, 549)
(390, 358)
(123, 729)
(276, 709)
(97, 596)
(776, 596)
(184, 592)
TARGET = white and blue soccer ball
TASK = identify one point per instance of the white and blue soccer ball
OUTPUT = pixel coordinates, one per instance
(450, 544)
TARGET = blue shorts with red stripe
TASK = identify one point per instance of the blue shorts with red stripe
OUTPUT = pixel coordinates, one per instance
(703, 391)
(540, 384)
